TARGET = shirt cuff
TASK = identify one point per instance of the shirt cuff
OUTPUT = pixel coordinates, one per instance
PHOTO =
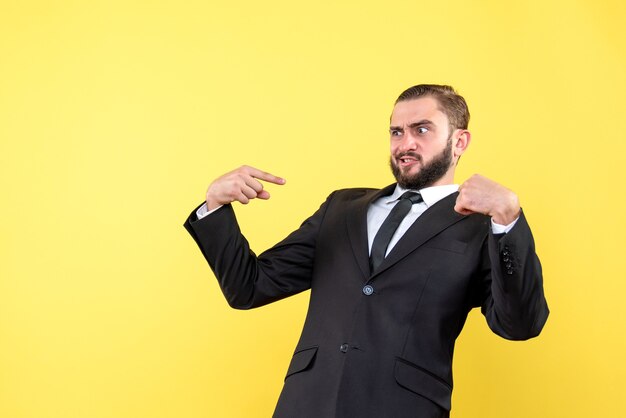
(204, 211)
(502, 229)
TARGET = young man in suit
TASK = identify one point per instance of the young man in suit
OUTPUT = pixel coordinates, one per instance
(393, 273)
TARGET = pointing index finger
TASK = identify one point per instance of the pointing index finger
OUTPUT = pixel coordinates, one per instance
(265, 176)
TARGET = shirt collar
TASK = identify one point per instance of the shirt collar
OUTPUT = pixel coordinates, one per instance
(431, 195)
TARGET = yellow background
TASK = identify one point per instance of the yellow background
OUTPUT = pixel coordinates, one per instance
(116, 115)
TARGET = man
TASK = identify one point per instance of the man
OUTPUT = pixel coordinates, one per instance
(392, 275)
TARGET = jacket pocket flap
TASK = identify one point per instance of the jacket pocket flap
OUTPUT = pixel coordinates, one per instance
(423, 383)
(301, 360)
(453, 245)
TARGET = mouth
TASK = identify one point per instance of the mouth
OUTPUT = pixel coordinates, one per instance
(408, 160)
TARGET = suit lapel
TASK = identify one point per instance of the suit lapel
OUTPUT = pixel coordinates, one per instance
(357, 226)
(436, 218)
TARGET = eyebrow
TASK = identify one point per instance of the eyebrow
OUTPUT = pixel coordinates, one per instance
(413, 125)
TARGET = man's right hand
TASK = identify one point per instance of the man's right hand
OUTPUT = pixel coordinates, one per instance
(241, 185)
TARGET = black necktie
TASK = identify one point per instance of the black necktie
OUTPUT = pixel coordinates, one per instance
(389, 226)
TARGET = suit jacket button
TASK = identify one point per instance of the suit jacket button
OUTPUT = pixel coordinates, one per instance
(368, 290)
(509, 272)
(344, 348)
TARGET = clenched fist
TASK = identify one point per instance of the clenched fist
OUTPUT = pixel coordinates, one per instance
(482, 195)
(241, 185)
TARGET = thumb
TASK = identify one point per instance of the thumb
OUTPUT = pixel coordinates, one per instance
(458, 207)
(263, 194)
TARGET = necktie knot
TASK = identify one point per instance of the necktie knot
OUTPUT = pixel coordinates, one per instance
(414, 197)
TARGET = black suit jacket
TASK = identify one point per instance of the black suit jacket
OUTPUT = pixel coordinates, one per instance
(386, 353)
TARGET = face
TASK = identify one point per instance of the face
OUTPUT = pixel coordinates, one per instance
(429, 174)
(423, 150)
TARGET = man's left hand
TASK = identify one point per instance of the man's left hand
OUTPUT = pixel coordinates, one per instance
(481, 195)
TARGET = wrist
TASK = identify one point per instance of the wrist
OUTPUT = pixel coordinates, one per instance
(212, 202)
(508, 211)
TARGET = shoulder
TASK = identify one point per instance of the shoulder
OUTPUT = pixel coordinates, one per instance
(354, 192)
(360, 192)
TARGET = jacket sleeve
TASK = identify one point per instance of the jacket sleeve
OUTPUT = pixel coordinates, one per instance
(513, 300)
(246, 280)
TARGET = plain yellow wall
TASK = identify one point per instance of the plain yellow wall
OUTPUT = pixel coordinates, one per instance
(115, 116)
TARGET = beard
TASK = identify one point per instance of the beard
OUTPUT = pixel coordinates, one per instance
(428, 174)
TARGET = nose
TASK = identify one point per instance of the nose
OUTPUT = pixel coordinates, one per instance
(408, 142)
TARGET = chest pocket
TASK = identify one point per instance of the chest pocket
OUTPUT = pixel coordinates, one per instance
(453, 245)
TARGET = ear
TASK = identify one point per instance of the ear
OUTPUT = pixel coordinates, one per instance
(460, 142)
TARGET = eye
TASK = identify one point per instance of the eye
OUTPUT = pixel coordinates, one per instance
(422, 130)
(395, 132)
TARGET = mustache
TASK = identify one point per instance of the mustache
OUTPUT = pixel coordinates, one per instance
(408, 154)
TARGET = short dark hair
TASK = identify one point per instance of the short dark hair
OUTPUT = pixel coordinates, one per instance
(450, 102)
